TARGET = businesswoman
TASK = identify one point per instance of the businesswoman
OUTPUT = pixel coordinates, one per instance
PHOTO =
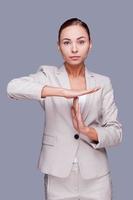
(81, 119)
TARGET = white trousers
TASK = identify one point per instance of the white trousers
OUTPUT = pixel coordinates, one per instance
(74, 187)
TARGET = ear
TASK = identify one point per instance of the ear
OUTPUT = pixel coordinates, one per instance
(90, 44)
(58, 46)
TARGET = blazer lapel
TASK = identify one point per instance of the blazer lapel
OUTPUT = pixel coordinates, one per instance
(90, 83)
(63, 77)
(64, 103)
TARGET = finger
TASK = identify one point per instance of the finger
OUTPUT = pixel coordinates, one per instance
(78, 114)
(75, 100)
(74, 119)
(77, 107)
(97, 88)
(77, 120)
(73, 112)
(75, 103)
(80, 121)
(94, 89)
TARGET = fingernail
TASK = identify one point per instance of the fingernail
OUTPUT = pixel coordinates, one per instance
(98, 88)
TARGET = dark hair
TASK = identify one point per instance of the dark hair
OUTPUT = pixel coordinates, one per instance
(73, 21)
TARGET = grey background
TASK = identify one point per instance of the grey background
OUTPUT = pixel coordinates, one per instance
(28, 36)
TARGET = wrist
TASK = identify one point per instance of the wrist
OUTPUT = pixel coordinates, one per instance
(85, 130)
(91, 133)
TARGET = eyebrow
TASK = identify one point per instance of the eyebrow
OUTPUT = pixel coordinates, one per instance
(77, 38)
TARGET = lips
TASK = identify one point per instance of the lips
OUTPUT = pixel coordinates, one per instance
(75, 57)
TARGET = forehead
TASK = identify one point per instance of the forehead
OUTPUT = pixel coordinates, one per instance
(73, 31)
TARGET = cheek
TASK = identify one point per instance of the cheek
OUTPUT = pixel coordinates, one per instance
(65, 52)
(85, 52)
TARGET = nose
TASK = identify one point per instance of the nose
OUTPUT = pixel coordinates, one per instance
(74, 48)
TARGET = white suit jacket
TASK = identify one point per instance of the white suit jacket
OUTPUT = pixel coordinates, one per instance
(59, 146)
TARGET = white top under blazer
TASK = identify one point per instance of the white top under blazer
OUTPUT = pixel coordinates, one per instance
(82, 100)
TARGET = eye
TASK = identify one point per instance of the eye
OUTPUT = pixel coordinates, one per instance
(81, 41)
(66, 42)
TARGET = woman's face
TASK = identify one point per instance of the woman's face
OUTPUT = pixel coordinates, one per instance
(74, 41)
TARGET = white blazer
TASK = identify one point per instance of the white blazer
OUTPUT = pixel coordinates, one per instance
(59, 146)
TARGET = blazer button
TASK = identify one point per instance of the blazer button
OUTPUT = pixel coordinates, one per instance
(76, 136)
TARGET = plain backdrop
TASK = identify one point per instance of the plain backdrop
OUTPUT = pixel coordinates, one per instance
(28, 39)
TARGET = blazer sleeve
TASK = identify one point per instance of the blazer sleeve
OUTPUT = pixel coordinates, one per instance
(110, 130)
(27, 87)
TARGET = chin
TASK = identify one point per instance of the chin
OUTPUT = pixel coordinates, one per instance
(74, 63)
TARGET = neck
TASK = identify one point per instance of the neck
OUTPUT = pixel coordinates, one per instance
(75, 70)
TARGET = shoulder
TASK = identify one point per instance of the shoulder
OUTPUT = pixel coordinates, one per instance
(102, 79)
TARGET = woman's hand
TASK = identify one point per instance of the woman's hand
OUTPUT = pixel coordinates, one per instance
(69, 93)
(63, 92)
(77, 120)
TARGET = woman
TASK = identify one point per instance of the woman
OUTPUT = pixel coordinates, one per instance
(81, 119)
